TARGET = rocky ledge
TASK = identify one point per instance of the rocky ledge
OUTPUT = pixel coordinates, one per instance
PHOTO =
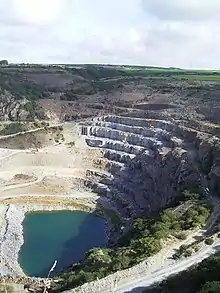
(151, 160)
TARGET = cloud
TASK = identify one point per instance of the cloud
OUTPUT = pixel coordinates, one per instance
(150, 32)
(179, 10)
(38, 12)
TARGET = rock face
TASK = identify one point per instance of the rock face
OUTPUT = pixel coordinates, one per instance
(9, 107)
(13, 109)
(150, 161)
(145, 162)
(211, 163)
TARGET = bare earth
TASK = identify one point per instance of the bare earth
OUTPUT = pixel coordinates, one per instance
(50, 178)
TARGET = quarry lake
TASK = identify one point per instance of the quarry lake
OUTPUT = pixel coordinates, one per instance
(64, 236)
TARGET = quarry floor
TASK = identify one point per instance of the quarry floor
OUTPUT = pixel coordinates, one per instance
(32, 180)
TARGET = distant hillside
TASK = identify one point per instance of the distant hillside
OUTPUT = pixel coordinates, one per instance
(68, 92)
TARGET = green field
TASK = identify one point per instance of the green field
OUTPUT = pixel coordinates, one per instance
(189, 77)
(173, 73)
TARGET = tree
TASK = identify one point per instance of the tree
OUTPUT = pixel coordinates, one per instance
(98, 256)
(161, 230)
(121, 260)
(3, 62)
(183, 248)
(211, 287)
(146, 246)
(176, 226)
(190, 195)
(203, 211)
(140, 227)
(209, 241)
(167, 216)
(139, 224)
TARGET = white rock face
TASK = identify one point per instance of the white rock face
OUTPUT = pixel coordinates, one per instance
(11, 238)
(142, 180)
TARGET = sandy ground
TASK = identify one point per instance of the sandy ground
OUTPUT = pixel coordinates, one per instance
(48, 179)
(52, 170)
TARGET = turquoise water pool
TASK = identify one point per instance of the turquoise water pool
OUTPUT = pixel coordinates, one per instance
(64, 236)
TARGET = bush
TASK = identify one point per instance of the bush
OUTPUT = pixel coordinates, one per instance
(13, 128)
(183, 251)
(201, 278)
(71, 144)
(98, 256)
(196, 248)
(145, 247)
(211, 287)
(209, 241)
(59, 138)
(189, 195)
(181, 236)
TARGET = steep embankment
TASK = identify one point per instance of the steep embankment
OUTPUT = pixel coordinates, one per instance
(150, 161)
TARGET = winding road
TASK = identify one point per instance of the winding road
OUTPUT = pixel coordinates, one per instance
(150, 276)
(158, 267)
(137, 285)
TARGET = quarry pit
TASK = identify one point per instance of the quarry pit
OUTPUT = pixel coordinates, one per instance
(126, 165)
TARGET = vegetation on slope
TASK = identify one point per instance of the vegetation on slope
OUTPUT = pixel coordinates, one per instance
(143, 240)
(23, 81)
(99, 86)
(202, 278)
(16, 127)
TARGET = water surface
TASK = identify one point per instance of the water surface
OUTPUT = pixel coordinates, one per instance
(64, 236)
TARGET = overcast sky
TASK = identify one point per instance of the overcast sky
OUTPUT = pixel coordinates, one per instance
(181, 33)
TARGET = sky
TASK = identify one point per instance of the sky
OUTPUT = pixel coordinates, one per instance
(177, 33)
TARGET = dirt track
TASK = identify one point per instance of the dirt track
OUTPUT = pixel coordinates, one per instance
(54, 169)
